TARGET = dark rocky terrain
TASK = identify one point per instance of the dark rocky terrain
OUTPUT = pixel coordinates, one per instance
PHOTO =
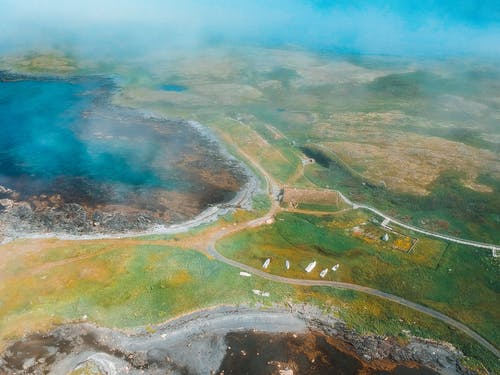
(228, 340)
(95, 167)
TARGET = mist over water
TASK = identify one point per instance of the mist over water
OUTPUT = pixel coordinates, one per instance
(129, 27)
(45, 138)
(64, 143)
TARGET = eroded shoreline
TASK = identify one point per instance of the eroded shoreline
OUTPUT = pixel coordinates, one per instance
(242, 199)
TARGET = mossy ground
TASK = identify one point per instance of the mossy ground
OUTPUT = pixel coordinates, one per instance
(130, 283)
(442, 276)
(125, 283)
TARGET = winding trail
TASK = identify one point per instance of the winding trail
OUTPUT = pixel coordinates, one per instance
(494, 248)
(272, 187)
(389, 220)
(342, 285)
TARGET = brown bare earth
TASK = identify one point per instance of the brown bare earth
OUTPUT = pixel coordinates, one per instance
(404, 161)
(297, 195)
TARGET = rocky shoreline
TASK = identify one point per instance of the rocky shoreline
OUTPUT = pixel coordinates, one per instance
(73, 221)
(77, 207)
(276, 341)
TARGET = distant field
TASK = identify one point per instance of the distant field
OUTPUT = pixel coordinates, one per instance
(450, 207)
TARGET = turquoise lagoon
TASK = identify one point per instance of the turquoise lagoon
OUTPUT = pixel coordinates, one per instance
(62, 137)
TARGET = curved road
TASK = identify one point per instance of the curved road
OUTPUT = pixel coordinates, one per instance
(271, 187)
(418, 230)
(342, 285)
(355, 205)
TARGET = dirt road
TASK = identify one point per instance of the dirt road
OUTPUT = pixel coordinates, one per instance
(271, 186)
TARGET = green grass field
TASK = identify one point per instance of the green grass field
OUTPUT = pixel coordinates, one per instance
(450, 208)
(122, 285)
(445, 278)
(128, 284)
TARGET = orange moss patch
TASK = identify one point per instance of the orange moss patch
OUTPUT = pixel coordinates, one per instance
(96, 271)
(403, 243)
(179, 278)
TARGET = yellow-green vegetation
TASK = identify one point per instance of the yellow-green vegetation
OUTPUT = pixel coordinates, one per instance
(130, 283)
(317, 207)
(460, 282)
(117, 283)
(373, 233)
(88, 368)
(428, 252)
(417, 143)
(254, 146)
(44, 63)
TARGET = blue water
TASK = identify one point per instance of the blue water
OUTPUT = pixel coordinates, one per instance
(42, 127)
(37, 134)
(172, 87)
(63, 137)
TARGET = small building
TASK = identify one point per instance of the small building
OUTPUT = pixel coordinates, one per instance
(385, 237)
